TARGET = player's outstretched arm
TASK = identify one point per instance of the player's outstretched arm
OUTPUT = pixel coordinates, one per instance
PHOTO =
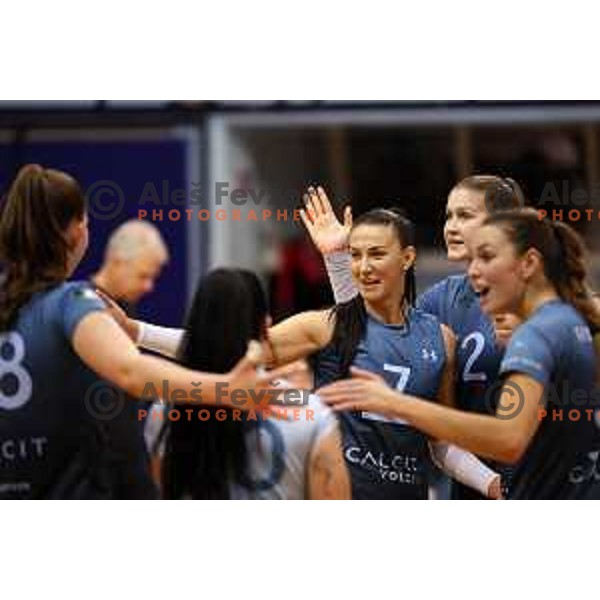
(330, 236)
(106, 349)
(466, 468)
(298, 337)
(162, 340)
(288, 341)
(504, 439)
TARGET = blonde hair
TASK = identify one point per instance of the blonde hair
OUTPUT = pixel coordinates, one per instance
(133, 238)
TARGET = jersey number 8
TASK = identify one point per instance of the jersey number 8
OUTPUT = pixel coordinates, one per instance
(12, 353)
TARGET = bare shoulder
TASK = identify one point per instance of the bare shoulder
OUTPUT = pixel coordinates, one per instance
(318, 325)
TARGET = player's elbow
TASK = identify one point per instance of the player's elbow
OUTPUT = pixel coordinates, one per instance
(513, 449)
(126, 378)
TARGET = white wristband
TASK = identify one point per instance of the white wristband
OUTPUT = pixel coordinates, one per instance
(338, 265)
(163, 340)
(463, 466)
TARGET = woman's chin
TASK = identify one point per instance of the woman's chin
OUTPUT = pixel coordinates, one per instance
(491, 307)
(503, 337)
(457, 254)
(370, 296)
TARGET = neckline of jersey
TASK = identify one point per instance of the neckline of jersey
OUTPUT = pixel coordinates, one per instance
(401, 328)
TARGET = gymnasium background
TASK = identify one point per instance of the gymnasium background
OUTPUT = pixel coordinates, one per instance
(172, 156)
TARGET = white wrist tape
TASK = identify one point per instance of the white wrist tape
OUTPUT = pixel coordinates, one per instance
(163, 340)
(338, 265)
(463, 466)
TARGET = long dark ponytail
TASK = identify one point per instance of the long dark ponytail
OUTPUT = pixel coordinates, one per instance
(351, 317)
(203, 457)
(41, 204)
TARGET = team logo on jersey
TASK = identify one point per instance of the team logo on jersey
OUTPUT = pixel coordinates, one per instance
(391, 468)
(583, 333)
(429, 355)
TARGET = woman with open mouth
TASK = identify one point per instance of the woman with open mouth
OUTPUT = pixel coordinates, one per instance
(453, 301)
(534, 269)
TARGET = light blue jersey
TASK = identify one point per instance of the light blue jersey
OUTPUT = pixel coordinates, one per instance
(454, 302)
(555, 348)
(388, 459)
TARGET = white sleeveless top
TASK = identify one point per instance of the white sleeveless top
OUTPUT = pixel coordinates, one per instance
(279, 449)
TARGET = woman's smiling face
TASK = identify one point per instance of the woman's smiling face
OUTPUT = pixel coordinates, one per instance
(379, 262)
(495, 271)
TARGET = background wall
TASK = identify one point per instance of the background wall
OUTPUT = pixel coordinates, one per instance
(367, 153)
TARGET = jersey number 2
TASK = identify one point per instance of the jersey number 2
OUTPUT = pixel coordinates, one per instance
(479, 344)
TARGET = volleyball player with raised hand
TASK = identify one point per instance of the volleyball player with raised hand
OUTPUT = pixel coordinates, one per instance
(453, 300)
(60, 351)
(545, 420)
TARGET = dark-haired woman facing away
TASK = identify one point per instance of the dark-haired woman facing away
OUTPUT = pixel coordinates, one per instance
(293, 452)
(60, 350)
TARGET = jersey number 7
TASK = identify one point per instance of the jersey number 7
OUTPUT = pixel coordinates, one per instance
(404, 374)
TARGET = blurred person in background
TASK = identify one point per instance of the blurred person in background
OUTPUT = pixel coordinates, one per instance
(135, 256)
